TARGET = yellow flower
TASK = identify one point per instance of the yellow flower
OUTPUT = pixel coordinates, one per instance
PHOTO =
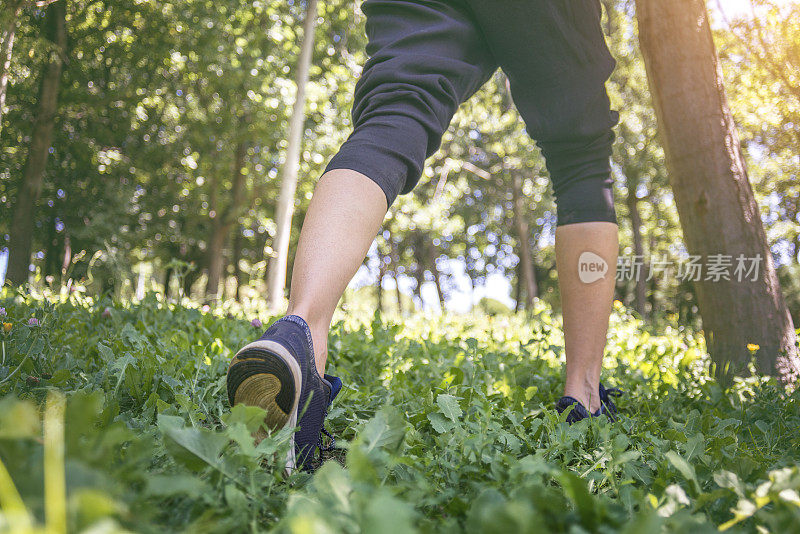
(7, 327)
(208, 360)
(752, 347)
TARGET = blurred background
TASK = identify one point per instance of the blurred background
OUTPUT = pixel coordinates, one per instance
(142, 145)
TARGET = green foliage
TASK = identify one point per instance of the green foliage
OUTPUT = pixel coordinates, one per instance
(445, 424)
(155, 99)
(491, 306)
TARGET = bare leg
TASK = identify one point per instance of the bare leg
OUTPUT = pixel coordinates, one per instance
(345, 214)
(586, 306)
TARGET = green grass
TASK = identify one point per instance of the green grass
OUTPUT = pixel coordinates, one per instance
(445, 424)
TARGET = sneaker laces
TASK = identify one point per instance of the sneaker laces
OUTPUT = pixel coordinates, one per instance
(328, 448)
(321, 447)
(336, 386)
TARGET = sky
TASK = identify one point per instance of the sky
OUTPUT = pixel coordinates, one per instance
(730, 7)
(459, 296)
(733, 8)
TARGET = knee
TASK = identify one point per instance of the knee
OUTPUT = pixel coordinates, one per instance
(389, 149)
(580, 172)
(398, 122)
(590, 201)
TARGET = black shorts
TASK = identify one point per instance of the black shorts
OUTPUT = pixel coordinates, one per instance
(426, 57)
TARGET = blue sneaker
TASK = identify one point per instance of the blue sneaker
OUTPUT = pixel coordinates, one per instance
(278, 373)
(580, 412)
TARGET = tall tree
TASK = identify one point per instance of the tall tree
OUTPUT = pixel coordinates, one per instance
(283, 220)
(39, 149)
(523, 241)
(236, 258)
(715, 201)
(632, 201)
(396, 270)
(379, 282)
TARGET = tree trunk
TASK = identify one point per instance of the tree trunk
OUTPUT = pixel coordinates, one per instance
(419, 276)
(438, 284)
(797, 248)
(41, 139)
(235, 259)
(431, 261)
(655, 284)
(188, 281)
(223, 221)
(379, 283)
(396, 265)
(283, 219)
(397, 293)
(167, 280)
(51, 251)
(523, 240)
(67, 261)
(216, 259)
(6, 52)
(715, 201)
(640, 303)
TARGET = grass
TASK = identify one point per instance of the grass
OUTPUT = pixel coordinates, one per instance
(114, 417)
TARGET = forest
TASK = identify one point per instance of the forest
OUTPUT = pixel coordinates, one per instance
(157, 159)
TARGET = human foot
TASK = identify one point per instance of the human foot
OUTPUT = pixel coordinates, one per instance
(278, 373)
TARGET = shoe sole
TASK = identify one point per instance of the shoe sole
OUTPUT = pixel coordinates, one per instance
(266, 375)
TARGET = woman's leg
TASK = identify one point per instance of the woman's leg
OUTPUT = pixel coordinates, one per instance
(560, 92)
(425, 59)
(586, 307)
(345, 214)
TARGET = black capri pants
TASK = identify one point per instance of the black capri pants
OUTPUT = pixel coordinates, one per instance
(426, 57)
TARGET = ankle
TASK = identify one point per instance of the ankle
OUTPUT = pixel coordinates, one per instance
(319, 336)
(587, 393)
(321, 359)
